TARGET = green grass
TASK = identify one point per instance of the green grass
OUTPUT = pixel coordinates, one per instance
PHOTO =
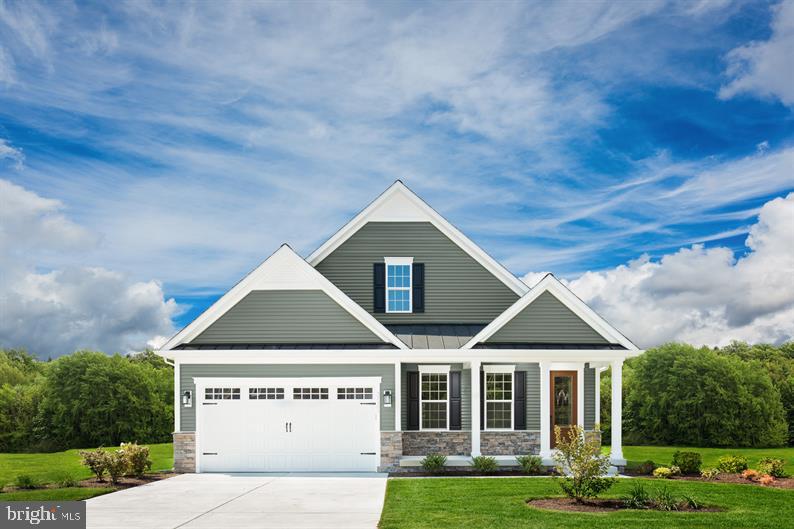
(49, 467)
(487, 503)
(71, 493)
(662, 455)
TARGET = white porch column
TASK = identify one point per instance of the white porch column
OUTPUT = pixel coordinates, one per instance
(616, 453)
(397, 399)
(177, 399)
(475, 408)
(545, 413)
(598, 395)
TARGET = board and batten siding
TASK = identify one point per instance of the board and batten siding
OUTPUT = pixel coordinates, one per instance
(533, 394)
(458, 289)
(286, 316)
(546, 320)
(188, 371)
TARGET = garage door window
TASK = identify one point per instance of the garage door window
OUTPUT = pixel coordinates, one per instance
(310, 393)
(354, 393)
(266, 393)
(222, 394)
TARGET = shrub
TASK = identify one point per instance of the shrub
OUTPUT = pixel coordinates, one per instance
(750, 474)
(772, 466)
(532, 465)
(434, 463)
(664, 500)
(96, 461)
(66, 480)
(644, 468)
(691, 502)
(675, 471)
(709, 473)
(638, 497)
(117, 465)
(25, 481)
(766, 479)
(484, 464)
(732, 464)
(688, 462)
(137, 456)
(579, 459)
(663, 472)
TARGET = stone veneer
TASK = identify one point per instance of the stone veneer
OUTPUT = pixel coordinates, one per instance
(391, 449)
(451, 443)
(509, 443)
(184, 452)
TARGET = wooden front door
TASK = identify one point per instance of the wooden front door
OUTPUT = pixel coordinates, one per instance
(563, 396)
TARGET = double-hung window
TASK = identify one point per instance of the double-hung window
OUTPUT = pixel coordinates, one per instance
(498, 397)
(434, 397)
(398, 284)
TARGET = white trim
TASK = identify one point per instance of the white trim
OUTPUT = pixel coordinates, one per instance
(245, 382)
(597, 395)
(178, 399)
(511, 401)
(552, 285)
(545, 411)
(475, 407)
(433, 370)
(284, 270)
(616, 428)
(499, 368)
(399, 261)
(397, 398)
(400, 204)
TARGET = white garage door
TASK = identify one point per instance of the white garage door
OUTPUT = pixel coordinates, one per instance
(275, 425)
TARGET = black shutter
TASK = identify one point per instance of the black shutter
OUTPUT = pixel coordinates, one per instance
(418, 287)
(413, 400)
(379, 287)
(454, 401)
(482, 401)
(520, 400)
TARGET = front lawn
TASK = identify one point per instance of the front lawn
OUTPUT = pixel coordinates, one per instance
(501, 502)
(50, 467)
(662, 455)
(61, 494)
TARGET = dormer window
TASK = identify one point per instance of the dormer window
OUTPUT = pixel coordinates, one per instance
(398, 284)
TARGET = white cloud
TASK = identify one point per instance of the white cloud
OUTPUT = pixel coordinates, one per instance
(7, 151)
(57, 311)
(765, 68)
(704, 295)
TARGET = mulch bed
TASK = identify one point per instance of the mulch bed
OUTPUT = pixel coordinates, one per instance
(779, 483)
(127, 482)
(457, 474)
(596, 505)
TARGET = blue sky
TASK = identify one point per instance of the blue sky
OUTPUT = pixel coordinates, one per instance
(161, 151)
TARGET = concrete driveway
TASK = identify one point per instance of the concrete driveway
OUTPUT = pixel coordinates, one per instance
(242, 501)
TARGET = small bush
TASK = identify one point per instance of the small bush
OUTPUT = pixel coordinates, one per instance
(638, 497)
(137, 456)
(664, 500)
(709, 473)
(688, 462)
(766, 479)
(117, 465)
(645, 468)
(772, 466)
(675, 470)
(578, 458)
(691, 502)
(532, 465)
(750, 474)
(96, 461)
(732, 464)
(66, 480)
(25, 481)
(434, 463)
(663, 472)
(484, 464)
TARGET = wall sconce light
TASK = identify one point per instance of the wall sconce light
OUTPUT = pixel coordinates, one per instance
(187, 398)
(387, 398)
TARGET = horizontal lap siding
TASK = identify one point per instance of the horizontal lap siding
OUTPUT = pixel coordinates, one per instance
(589, 397)
(546, 320)
(457, 288)
(286, 316)
(188, 371)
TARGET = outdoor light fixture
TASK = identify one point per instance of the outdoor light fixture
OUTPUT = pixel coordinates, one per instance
(187, 398)
(387, 398)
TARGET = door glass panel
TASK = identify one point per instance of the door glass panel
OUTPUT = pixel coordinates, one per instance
(563, 401)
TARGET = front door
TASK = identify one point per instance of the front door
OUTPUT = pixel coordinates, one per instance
(563, 402)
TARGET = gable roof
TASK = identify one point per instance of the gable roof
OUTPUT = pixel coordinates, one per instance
(400, 204)
(553, 286)
(284, 270)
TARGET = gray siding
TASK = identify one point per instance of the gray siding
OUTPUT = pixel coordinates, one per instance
(457, 288)
(188, 371)
(533, 394)
(589, 397)
(286, 316)
(546, 320)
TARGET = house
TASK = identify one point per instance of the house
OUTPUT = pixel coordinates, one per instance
(396, 338)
